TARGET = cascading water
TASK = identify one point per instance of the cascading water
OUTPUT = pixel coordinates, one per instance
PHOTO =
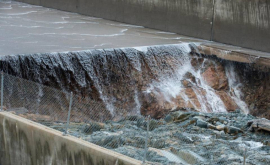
(148, 80)
(235, 88)
(171, 87)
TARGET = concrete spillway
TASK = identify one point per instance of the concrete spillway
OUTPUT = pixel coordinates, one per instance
(27, 29)
(118, 72)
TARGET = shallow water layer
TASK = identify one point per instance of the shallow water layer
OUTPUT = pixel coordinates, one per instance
(26, 29)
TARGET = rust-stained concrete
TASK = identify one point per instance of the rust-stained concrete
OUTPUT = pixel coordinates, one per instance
(28, 143)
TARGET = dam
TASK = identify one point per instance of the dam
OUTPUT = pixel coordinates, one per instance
(78, 89)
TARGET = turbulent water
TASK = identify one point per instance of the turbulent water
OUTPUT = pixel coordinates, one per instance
(147, 80)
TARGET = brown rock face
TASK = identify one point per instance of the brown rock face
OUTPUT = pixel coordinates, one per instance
(157, 106)
(227, 100)
(192, 93)
(215, 77)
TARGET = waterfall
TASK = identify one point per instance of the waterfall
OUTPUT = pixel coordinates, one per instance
(235, 88)
(148, 80)
(170, 86)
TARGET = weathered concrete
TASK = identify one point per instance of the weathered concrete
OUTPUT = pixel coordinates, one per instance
(243, 23)
(28, 143)
(259, 59)
(238, 22)
(70, 5)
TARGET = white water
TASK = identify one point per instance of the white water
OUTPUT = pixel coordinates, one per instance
(248, 144)
(159, 71)
(40, 95)
(173, 158)
(170, 86)
(138, 104)
(170, 156)
(235, 88)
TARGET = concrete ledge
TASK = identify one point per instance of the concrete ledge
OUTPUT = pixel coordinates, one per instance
(231, 55)
(28, 143)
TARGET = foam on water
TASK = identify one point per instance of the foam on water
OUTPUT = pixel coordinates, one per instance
(143, 49)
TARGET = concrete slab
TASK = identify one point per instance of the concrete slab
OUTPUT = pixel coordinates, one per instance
(26, 29)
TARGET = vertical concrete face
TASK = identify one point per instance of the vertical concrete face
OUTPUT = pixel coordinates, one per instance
(187, 17)
(190, 17)
(101, 8)
(28, 143)
(243, 23)
(154, 14)
(133, 10)
(65, 5)
(33, 2)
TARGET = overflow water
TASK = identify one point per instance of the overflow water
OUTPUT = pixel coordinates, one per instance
(146, 80)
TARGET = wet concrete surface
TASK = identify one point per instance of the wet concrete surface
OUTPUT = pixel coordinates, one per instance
(33, 29)
(26, 29)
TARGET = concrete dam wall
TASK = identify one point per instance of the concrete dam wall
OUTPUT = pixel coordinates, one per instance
(243, 23)
(29, 143)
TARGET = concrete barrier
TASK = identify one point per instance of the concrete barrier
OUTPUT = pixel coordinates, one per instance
(33, 2)
(28, 143)
(66, 5)
(242, 23)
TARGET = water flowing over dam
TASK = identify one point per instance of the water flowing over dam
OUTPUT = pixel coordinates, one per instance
(143, 80)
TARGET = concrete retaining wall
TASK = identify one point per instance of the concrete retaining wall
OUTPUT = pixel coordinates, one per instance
(242, 23)
(28, 143)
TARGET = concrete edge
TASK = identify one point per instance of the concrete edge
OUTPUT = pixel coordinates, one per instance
(234, 56)
(96, 148)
